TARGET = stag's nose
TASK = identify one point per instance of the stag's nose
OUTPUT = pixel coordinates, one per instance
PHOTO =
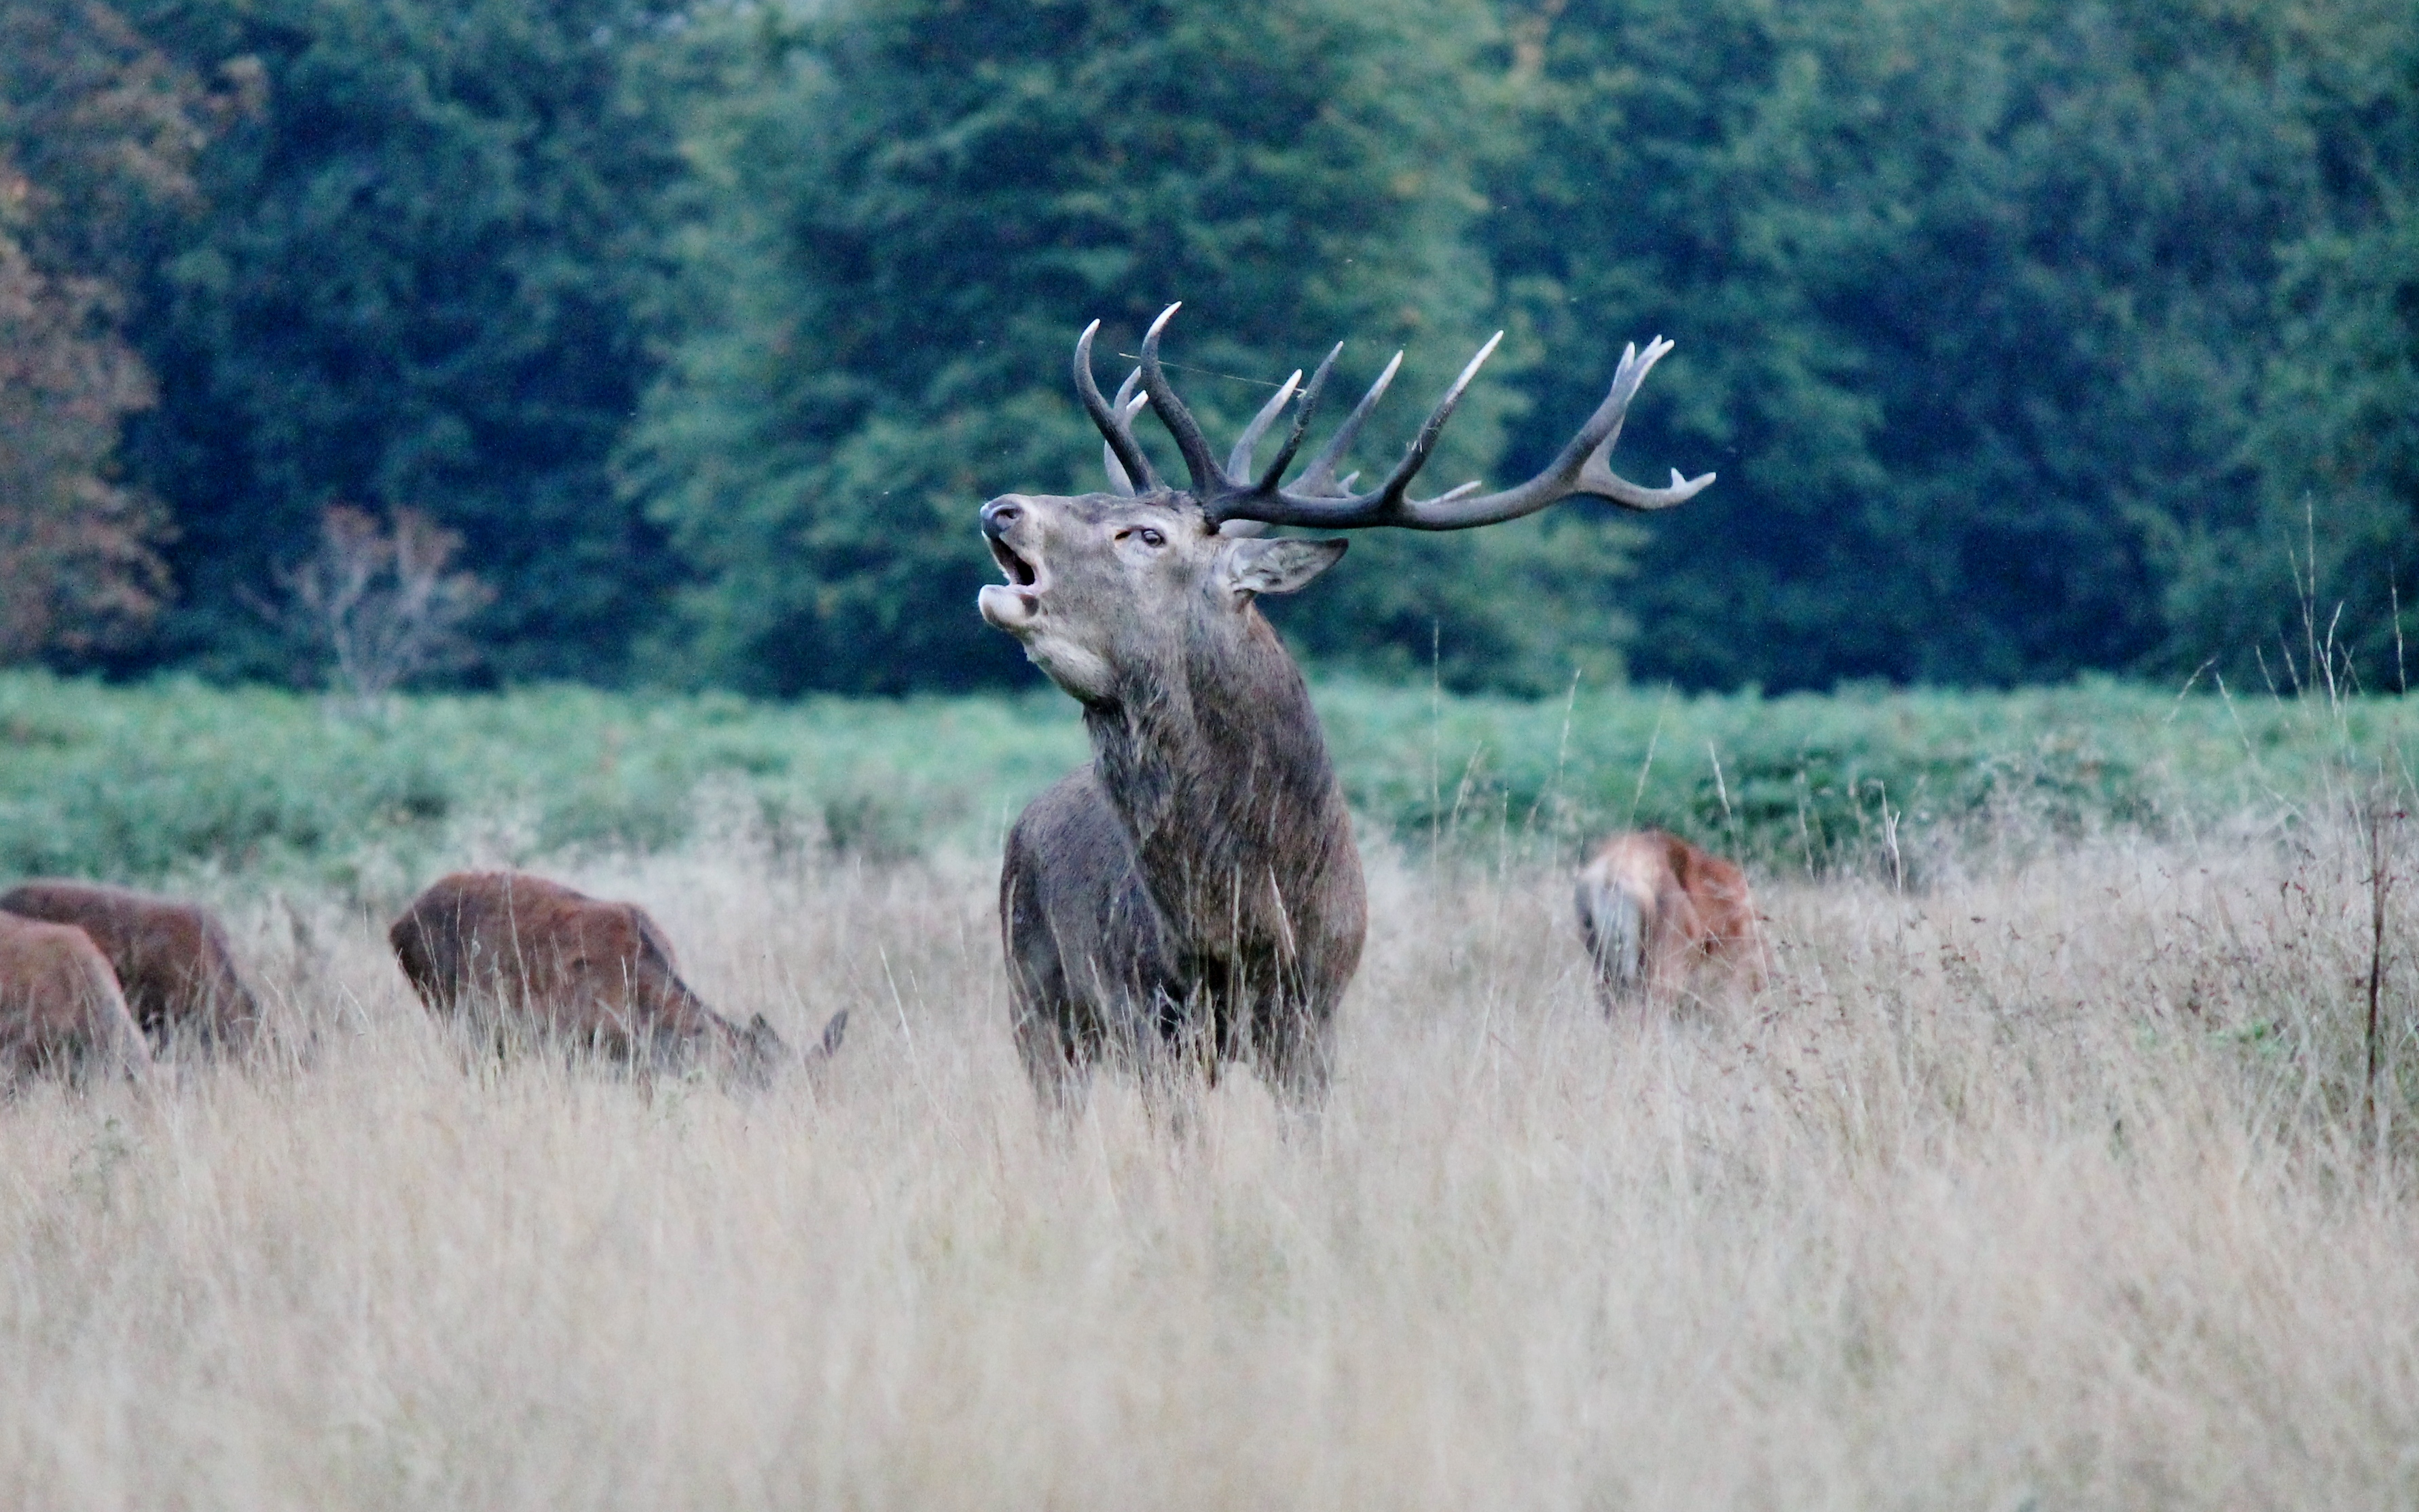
(999, 516)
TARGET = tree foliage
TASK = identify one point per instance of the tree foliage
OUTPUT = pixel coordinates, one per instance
(98, 132)
(417, 285)
(1982, 291)
(78, 570)
(2028, 336)
(2325, 550)
(919, 202)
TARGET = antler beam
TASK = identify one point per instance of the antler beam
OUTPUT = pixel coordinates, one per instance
(1230, 493)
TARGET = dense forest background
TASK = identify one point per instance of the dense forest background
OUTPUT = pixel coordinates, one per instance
(2027, 336)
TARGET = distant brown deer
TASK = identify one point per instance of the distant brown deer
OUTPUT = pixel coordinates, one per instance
(1195, 895)
(1652, 908)
(60, 1008)
(515, 953)
(173, 959)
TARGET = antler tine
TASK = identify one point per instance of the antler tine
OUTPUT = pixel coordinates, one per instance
(1301, 414)
(1319, 478)
(1125, 406)
(1118, 440)
(1384, 505)
(1208, 479)
(1581, 468)
(1421, 444)
(1595, 475)
(1239, 461)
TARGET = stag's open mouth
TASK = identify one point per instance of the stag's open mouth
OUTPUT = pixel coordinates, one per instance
(1016, 605)
(1021, 573)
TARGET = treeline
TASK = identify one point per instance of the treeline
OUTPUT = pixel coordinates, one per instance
(2028, 337)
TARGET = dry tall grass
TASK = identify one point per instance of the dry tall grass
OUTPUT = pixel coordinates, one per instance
(2045, 1187)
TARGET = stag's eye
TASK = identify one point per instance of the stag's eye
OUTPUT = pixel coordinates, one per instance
(1152, 537)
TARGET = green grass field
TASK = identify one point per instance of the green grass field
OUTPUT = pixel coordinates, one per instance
(174, 778)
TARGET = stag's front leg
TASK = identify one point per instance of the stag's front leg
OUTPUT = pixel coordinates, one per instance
(1055, 1058)
(1297, 1050)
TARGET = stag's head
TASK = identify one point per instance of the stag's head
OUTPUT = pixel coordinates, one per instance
(1102, 587)
(1102, 583)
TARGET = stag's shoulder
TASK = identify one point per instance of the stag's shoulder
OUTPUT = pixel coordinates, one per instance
(1072, 822)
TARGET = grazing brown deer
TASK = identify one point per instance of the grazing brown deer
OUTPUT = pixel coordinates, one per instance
(1195, 895)
(1652, 908)
(173, 959)
(60, 1009)
(517, 954)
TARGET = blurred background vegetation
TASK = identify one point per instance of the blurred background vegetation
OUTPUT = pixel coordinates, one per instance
(178, 779)
(2029, 337)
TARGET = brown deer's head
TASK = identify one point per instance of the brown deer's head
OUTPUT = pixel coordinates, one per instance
(1104, 587)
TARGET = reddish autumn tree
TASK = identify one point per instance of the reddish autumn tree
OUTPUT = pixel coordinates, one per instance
(98, 132)
(78, 569)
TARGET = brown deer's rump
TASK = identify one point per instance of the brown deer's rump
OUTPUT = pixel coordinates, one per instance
(1652, 908)
(173, 959)
(60, 1007)
(519, 953)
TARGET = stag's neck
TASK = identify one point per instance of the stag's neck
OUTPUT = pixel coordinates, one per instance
(1223, 779)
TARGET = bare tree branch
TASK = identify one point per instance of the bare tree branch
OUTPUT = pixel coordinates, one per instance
(379, 602)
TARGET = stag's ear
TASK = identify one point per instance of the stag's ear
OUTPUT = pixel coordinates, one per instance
(1256, 564)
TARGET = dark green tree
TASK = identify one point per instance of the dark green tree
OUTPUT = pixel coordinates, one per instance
(1976, 294)
(2320, 559)
(2028, 337)
(418, 284)
(916, 206)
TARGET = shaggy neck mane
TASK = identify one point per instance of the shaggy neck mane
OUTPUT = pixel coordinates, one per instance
(1222, 780)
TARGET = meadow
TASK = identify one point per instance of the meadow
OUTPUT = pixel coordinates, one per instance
(2045, 1172)
(178, 779)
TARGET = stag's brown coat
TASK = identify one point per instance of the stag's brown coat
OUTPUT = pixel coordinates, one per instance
(1653, 909)
(173, 959)
(60, 1007)
(1196, 893)
(1196, 897)
(516, 952)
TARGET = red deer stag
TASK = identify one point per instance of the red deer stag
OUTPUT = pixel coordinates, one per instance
(173, 959)
(60, 1009)
(1194, 893)
(515, 953)
(1652, 907)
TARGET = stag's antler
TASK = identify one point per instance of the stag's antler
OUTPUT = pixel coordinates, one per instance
(1120, 454)
(1318, 498)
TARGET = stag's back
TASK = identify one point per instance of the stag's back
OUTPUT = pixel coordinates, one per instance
(60, 1006)
(173, 959)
